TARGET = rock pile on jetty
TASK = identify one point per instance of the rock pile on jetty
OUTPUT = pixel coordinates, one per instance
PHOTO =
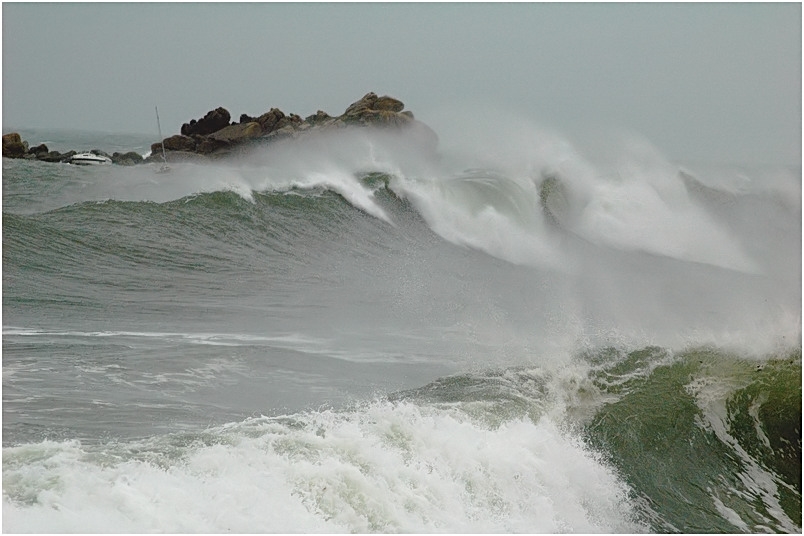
(15, 147)
(216, 136)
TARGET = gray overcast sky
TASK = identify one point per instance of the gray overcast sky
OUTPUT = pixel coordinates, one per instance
(715, 82)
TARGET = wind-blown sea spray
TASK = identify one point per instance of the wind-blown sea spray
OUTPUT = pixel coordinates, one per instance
(621, 215)
(350, 332)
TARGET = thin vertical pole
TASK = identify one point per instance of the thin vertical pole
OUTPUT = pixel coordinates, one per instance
(164, 156)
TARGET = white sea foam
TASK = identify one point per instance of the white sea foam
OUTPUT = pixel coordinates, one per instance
(344, 183)
(389, 467)
(633, 200)
(490, 213)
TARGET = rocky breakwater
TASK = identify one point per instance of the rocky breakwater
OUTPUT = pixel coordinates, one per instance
(216, 136)
(15, 147)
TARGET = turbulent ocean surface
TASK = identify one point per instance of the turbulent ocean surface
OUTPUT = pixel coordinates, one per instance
(358, 334)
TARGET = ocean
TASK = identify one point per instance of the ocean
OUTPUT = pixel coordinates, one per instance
(353, 333)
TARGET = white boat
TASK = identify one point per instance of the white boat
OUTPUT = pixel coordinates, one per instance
(90, 159)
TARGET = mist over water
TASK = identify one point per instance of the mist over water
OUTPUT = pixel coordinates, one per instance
(371, 335)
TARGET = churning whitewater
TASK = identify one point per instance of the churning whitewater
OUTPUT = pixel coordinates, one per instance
(353, 333)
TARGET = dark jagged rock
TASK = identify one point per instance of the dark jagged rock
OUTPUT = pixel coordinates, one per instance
(212, 122)
(39, 149)
(53, 156)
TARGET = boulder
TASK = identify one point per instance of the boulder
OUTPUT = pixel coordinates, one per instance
(130, 158)
(54, 156)
(320, 117)
(371, 101)
(13, 146)
(11, 137)
(207, 145)
(374, 110)
(269, 120)
(388, 104)
(39, 149)
(237, 133)
(212, 122)
(388, 118)
(178, 142)
(284, 132)
(363, 104)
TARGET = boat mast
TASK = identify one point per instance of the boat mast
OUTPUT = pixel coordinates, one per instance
(164, 156)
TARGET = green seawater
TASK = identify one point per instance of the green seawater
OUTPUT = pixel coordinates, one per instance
(704, 433)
